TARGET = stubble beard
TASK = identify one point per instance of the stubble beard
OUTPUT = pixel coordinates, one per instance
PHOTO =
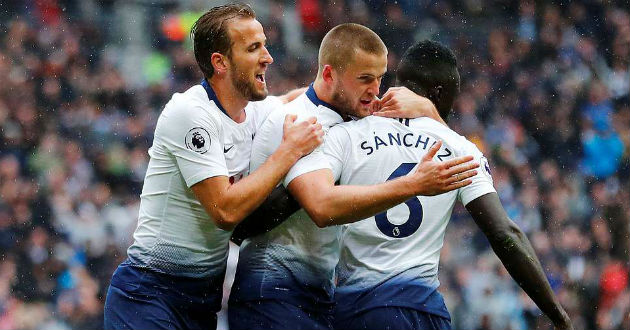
(247, 87)
(342, 103)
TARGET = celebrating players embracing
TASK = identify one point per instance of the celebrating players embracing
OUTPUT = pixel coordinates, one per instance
(387, 273)
(285, 278)
(197, 186)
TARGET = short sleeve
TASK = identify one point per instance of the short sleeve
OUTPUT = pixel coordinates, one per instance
(327, 156)
(191, 136)
(482, 182)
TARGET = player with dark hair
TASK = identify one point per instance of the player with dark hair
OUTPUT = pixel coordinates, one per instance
(285, 278)
(387, 272)
(198, 186)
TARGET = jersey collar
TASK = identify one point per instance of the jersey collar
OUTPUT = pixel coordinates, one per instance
(212, 96)
(310, 93)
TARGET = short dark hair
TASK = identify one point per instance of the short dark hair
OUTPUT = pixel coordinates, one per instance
(429, 68)
(210, 33)
(340, 43)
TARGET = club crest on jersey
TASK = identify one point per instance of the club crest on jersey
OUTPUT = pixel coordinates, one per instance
(198, 140)
(485, 166)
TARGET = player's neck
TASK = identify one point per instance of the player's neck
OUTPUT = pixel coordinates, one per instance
(323, 93)
(232, 101)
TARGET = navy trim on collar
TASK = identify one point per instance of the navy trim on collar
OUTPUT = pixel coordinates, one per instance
(310, 93)
(212, 96)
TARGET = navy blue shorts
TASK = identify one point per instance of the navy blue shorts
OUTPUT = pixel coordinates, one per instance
(275, 315)
(393, 318)
(142, 299)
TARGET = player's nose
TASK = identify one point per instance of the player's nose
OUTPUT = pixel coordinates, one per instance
(373, 89)
(266, 57)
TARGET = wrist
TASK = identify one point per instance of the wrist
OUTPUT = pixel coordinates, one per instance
(409, 186)
(286, 152)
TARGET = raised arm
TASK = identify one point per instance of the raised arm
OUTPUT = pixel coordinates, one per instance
(228, 204)
(330, 205)
(517, 255)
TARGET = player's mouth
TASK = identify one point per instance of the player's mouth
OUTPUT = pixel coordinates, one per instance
(366, 103)
(260, 78)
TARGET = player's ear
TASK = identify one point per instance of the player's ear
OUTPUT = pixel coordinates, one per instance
(435, 94)
(327, 73)
(219, 63)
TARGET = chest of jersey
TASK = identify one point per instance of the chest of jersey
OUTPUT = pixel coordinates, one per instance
(237, 147)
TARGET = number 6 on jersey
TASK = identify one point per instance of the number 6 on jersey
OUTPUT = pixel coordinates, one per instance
(415, 210)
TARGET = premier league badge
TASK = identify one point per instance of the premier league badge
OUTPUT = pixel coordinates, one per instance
(198, 140)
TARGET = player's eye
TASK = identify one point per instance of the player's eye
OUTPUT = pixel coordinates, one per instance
(366, 79)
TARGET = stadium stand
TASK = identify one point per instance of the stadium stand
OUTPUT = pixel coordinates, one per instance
(545, 93)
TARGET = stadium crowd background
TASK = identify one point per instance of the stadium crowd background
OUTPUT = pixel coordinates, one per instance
(545, 95)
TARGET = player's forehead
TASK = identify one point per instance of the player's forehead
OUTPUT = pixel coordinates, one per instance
(363, 63)
(245, 31)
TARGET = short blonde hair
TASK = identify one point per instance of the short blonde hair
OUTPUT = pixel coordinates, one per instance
(340, 44)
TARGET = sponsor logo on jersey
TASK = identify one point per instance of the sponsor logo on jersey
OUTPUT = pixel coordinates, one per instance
(198, 140)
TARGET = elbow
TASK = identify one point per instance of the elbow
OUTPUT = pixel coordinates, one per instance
(225, 220)
(319, 217)
(508, 237)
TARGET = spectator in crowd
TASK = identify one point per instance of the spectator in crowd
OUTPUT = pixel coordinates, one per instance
(544, 94)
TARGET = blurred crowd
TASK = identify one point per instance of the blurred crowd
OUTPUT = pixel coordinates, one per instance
(545, 95)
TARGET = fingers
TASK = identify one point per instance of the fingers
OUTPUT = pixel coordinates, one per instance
(432, 152)
(387, 96)
(312, 120)
(457, 161)
(388, 113)
(454, 170)
(457, 185)
(460, 177)
(289, 119)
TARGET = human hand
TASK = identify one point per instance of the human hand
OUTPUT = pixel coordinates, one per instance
(400, 102)
(303, 137)
(435, 177)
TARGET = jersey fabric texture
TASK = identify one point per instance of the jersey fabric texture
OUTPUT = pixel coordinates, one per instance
(194, 140)
(295, 262)
(173, 276)
(391, 259)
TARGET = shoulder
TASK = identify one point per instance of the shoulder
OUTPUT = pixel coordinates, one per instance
(190, 108)
(270, 101)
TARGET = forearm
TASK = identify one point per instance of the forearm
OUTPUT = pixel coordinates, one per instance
(519, 258)
(278, 206)
(346, 204)
(517, 255)
(241, 198)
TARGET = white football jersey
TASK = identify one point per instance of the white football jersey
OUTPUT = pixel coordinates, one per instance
(405, 241)
(194, 140)
(296, 260)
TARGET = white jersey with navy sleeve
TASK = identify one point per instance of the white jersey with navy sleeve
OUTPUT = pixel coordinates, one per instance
(296, 260)
(391, 259)
(194, 140)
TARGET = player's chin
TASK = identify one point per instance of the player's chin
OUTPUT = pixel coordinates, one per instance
(258, 94)
(364, 110)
